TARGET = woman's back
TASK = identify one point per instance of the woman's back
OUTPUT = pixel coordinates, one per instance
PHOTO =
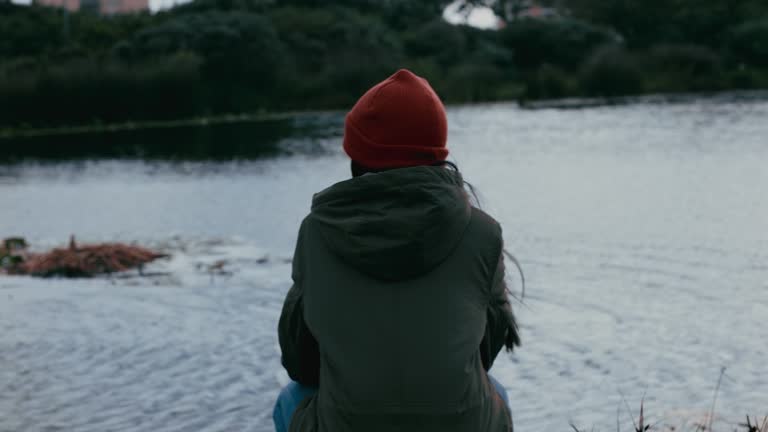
(399, 305)
(396, 272)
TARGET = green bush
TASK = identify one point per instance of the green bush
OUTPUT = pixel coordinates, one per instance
(485, 46)
(470, 82)
(748, 43)
(563, 43)
(29, 31)
(337, 52)
(746, 78)
(243, 59)
(489, 52)
(428, 68)
(41, 31)
(463, 64)
(694, 59)
(611, 71)
(234, 45)
(444, 42)
(683, 68)
(83, 91)
(405, 14)
(549, 82)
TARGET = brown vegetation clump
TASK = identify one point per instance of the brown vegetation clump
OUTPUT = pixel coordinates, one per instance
(86, 260)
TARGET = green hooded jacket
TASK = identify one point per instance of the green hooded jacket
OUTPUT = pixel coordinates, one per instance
(398, 308)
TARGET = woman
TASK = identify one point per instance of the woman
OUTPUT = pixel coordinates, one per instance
(399, 306)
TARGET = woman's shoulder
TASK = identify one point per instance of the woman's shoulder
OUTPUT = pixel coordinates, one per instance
(486, 221)
(484, 234)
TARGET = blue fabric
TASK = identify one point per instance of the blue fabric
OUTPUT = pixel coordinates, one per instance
(290, 398)
(294, 393)
(500, 390)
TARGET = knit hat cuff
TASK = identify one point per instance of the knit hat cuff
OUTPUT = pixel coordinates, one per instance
(369, 154)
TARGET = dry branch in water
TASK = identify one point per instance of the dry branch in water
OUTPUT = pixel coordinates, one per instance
(85, 260)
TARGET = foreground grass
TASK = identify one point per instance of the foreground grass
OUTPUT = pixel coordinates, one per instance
(642, 424)
(752, 424)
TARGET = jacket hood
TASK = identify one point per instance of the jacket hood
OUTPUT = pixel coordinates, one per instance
(396, 224)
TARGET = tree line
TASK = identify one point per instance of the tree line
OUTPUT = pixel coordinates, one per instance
(211, 57)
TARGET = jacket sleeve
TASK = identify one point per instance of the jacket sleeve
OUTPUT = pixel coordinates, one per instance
(501, 327)
(300, 351)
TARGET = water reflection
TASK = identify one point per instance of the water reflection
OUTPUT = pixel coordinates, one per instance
(216, 142)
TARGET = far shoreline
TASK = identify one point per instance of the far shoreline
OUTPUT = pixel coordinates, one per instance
(8, 133)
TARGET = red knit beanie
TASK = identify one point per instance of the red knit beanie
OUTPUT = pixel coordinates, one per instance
(400, 122)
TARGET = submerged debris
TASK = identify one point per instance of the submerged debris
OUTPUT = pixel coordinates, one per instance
(83, 261)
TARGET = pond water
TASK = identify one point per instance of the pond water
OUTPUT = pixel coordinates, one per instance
(642, 230)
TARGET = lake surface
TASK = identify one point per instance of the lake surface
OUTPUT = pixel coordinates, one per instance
(642, 230)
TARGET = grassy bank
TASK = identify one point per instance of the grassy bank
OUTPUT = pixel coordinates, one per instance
(105, 128)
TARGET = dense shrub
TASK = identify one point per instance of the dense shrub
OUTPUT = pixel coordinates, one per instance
(489, 52)
(682, 68)
(470, 82)
(644, 23)
(28, 31)
(611, 71)
(405, 14)
(38, 31)
(747, 78)
(99, 34)
(693, 59)
(437, 39)
(463, 63)
(82, 91)
(748, 43)
(234, 45)
(243, 59)
(485, 46)
(338, 53)
(563, 43)
(549, 82)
